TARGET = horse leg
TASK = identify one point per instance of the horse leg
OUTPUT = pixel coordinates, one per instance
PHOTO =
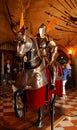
(40, 118)
(18, 111)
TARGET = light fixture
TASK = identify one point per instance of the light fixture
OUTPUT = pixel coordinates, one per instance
(69, 51)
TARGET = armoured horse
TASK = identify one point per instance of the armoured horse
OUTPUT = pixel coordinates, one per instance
(33, 82)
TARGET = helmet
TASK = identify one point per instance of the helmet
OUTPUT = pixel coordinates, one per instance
(42, 30)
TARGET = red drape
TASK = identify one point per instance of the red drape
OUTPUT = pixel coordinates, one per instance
(35, 98)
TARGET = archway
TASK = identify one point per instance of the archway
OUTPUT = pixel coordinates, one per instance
(63, 54)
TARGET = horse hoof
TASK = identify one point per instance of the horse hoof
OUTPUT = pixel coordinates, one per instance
(19, 113)
(39, 124)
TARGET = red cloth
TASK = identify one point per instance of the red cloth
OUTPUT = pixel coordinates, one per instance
(48, 76)
(50, 93)
(58, 81)
(59, 87)
(35, 98)
(59, 69)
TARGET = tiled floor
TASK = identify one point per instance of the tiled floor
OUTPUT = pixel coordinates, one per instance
(68, 107)
(65, 113)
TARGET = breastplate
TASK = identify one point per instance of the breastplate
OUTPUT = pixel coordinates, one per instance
(43, 47)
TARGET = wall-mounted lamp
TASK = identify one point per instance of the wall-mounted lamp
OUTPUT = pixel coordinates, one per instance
(70, 52)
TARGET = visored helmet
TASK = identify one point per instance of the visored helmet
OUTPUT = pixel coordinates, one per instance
(42, 30)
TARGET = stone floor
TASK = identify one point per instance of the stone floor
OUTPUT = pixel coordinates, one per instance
(65, 113)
